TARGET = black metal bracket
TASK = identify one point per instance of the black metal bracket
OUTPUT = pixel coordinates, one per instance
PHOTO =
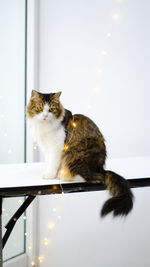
(10, 225)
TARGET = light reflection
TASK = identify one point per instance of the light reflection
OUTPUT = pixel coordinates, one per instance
(116, 16)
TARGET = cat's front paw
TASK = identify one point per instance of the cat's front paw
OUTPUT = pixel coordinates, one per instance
(49, 175)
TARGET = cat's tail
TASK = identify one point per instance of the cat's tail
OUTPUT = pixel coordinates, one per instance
(121, 202)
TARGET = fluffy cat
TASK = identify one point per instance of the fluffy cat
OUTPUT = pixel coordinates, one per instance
(73, 145)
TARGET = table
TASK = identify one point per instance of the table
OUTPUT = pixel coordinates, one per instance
(26, 180)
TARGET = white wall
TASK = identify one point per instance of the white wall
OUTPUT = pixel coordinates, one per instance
(112, 89)
(97, 53)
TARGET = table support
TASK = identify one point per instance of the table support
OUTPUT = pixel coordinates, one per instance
(10, 225)
(1, 253)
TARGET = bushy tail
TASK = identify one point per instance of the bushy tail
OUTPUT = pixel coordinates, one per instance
(121, 202)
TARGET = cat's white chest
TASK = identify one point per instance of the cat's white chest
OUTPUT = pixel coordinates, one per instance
(48, 135)
(50, 138)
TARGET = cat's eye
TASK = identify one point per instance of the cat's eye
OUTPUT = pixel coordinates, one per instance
(52, 106)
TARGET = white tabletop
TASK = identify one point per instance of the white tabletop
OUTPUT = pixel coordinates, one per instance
(30, 174)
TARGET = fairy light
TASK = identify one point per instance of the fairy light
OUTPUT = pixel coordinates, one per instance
(25, 234)
(30, 247)
(100, 71)
(116, 16)
(89, 106)
(33, 263)
(74, 124)
(96, 90)
(24, 217)
(46, 241)
(9, 151)
(108, 35)
(54, 210)
(104, 52)
(51, 225)
(59, 217)
(41, 258)
(65, 147)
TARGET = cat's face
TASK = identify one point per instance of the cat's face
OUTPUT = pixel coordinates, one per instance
(45, 107)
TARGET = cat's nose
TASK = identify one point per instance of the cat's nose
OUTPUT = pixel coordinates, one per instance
(45, 115)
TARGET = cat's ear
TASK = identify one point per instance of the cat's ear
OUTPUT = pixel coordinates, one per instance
(34, 93)
(57, 95)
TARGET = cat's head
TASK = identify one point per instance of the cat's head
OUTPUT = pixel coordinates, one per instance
(45, 107)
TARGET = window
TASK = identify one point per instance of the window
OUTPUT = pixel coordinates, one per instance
(12, 107)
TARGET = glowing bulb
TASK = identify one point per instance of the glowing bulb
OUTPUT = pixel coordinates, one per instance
(116, 16)
(25, 234)
(33, 263)
(59, 217)
(96, 90)
(89, 106)
(46, 241)
(54, 209)
(20, 201)
(40, 258)
(30, 247)
(55, 187)
(74, 124)
(100, 71)
(51, 225)
(65, 147)
(104, 52)
(108, 35)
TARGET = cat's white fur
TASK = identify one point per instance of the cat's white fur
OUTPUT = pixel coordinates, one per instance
(49, 133)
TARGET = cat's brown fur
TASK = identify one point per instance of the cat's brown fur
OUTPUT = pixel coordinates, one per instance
(85, 155)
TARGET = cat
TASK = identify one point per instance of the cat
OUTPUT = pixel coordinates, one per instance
(73, 145)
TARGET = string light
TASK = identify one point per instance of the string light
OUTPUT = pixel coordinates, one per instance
(104, 52)
(41, 258)
(108, 35)
(65, 147)
(59, 217)
(74, 124)
(46, 241)
(100, 71)
(54, 210)
(96, 90)
(20, 201)
(89, 106)
(51, 225)
(116, 16)
(9, 151)
(30, 247)
(33, 263)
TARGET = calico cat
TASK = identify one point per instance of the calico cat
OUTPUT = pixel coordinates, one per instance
(73, 145)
